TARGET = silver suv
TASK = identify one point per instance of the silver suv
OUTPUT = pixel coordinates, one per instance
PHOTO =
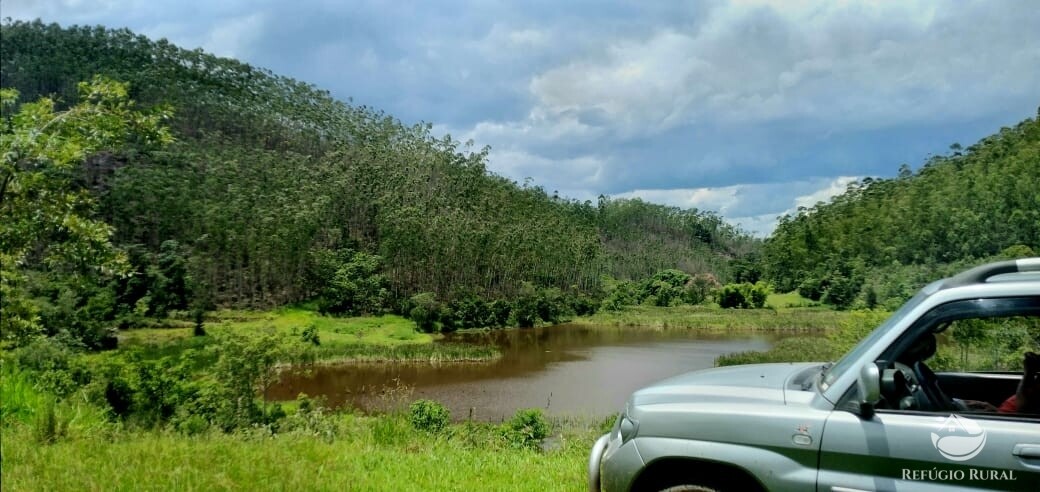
(878, 419)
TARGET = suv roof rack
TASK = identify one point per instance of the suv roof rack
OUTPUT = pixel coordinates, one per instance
(981, 274)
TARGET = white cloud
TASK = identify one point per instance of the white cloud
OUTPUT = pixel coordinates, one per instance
(715, 199)
(834, 188)
(538, 128)
(502, 37)
(756, 61)
(234, 37)
(756, 225)
(753, 207)
(578, 174)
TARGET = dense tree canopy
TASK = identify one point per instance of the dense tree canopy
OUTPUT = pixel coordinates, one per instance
(883, 238)
(270, 179)
(47, 230)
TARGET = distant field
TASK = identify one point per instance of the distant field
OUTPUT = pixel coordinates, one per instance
(789, 300)
(367, 338)
(713, 318)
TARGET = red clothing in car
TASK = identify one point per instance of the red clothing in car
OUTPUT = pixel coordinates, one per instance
(1009, 406)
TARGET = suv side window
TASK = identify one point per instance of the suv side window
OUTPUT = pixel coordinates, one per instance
(987, 345)
(968, 357)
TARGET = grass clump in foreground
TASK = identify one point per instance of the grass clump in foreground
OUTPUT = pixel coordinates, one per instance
(310, 448)
(467, 456)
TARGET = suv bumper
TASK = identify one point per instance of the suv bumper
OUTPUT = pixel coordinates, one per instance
(595, 457)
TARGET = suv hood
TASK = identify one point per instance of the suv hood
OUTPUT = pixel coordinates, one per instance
(766, 383)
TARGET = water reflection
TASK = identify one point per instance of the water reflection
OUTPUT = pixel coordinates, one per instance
(565, 369)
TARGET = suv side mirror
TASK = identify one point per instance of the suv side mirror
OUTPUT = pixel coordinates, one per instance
(869, 384)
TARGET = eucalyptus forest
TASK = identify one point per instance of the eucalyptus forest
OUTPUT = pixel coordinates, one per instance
(272, 193)
(177, 230)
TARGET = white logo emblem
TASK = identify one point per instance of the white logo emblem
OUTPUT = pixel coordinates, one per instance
(959, 439)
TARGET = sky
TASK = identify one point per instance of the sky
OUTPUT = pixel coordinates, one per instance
(747, 108)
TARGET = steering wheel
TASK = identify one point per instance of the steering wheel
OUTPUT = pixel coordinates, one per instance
(900, 389)
(929, 395)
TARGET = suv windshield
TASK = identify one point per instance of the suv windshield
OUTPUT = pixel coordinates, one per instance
(835, 371)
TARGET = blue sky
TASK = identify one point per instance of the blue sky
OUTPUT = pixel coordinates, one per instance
(749, 108)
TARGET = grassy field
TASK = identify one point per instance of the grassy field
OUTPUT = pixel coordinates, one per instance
(363, 339)
(347, 452)
(713, 318)
(71, 443)
(848, 329)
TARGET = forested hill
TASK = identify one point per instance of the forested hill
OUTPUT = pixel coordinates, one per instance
(883, 238)
(274, 191)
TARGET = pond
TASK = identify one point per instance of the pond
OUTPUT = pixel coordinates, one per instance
(575, 370)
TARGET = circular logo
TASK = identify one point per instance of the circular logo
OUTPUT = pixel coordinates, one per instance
(959, 439)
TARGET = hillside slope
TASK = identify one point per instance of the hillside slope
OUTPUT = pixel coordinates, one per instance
(883, 237)
(270, 175)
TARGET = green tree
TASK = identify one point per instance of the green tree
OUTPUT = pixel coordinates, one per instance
(47, 226)
(424, 311)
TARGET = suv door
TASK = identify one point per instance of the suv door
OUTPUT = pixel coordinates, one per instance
(905, 448)
(896, 451)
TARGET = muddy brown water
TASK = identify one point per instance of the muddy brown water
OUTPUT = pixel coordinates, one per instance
(567, 370)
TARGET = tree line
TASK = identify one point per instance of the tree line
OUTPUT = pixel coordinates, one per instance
(266, 191)
(882, 239)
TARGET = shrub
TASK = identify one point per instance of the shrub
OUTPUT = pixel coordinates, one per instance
(471, 311)
(424, 311)
(244, 369)
(446, 316)
(55, 366)
(664, 288)
(550, 305)
(743, 295)
(429, 416)
(191, 424)
(310, 335)
(525, 308)
(731, 296)
(812, 288)
(757, 294)
(500, 311)
(527, 428)
(581, 304)
(350, 282)
(699, 288)
(841, 291)
(311, 418)
(619, 294)
(1017, 251)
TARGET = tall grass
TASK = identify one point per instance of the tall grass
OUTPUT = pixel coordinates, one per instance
(47, 419)
(441, 352)
(852, 327)
(710, 318)
(369, 453)
(20, 400)
(797, 349)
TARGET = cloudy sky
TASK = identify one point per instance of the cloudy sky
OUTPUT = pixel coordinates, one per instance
(749, 108)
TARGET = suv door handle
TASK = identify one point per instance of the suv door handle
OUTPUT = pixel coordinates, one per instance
(1027, 451)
